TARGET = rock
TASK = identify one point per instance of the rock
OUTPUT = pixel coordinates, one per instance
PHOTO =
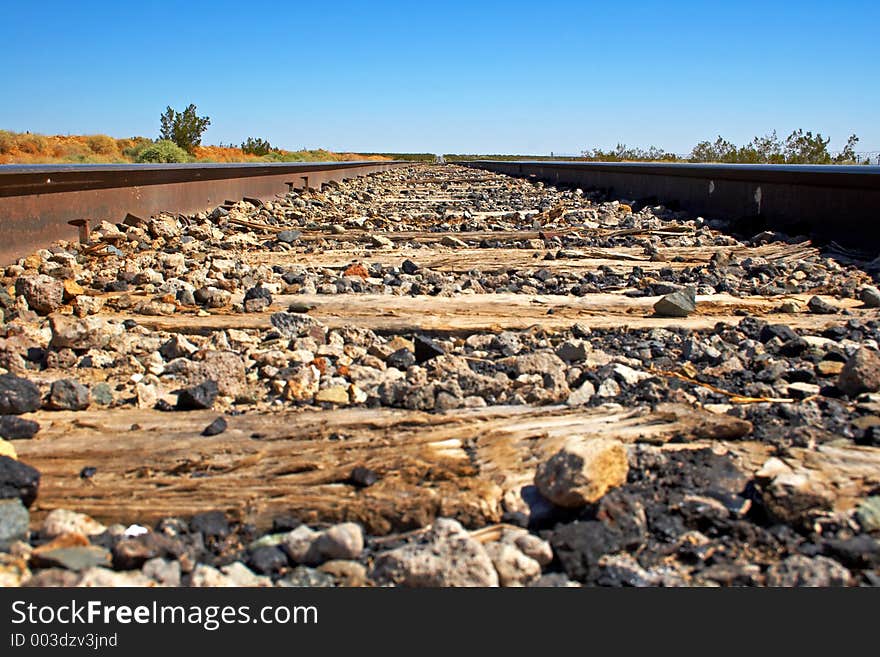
(582, 471)
(677, 304)
(53, 577)
(381, 241)
(573, 350)
(241, 575)
(448, 556)
(454, 242)
(870, 296)
(333, 395)
(362, 477)
(861, 373)
(268, 560)
(72, 289)
(162, 571)
(554, 580)
(342, 541)
(212, 524)
(256, 299)
(62, 521)
(289, 236)
(18, 395)
(346, 573)
(293, 325)
(18, 480)
(802, 390)
(85, 333)
(207, 576)
(829, 367)
(426, 349)
(409, 267)
(302, 384)
(800, 570)
(868, 514)
(819, 306)
(582, 395)
(298, 544)
(13, 571)
(164, 227)
(13, 427)
(303, 576)
(76, 558)
(401, 359)
(177, 347)
(43, 294)
(84, 305)
(794, 498)
(216, 427)
(68, 395)
(14, 522)
(147, 394)
(105, 578)
(198, 397)
(513, 567)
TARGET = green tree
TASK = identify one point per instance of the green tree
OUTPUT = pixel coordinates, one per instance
(183, 128)
(848, 154)
(804, 148)
(720, 150)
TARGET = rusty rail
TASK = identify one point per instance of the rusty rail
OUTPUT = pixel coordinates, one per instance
(43, 203)
(835, 202)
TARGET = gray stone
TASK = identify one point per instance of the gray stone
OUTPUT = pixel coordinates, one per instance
(68, 395)
(289, 236)
(800, 570)
(18, 395)
(342, 541)
(102, 394)
(77, 558)
(513, 567)
(14, 521)
(448, 556)
(85, 333)
(582, 395)
(164, 572)
(677, 304)
(13, 427)
(582, 471)
(303, 576)
(63, 521)
(18, 480)
(868, 514)
(293, 325)
(870, 296)
(819, 306)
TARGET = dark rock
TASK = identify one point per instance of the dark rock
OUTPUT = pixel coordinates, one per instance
(579, 546)
(256, 299)
(68, 395)
(212, 524)
(283, 524)
(216, 427)
(18, 395)
(860, 551)
(268, 560)
(14, 521)
(134, 552)
(781, 331)
(362, 477)
(401, 359)
(799, 570)
(677, 304)
(819, 306)
(18, 480)
(13, 427)
(88, 472)
(198, 397)
(426, 349)
(409, 267)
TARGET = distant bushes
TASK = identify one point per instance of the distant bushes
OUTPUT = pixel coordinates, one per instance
(162, 151)
(256, 146)
(102, 145)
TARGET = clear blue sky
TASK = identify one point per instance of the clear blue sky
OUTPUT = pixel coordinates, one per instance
(447, 76)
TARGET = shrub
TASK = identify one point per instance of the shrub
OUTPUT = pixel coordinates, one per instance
(257, 146)
(102, 144)
(7, 141)
(134, 146)
(163, 151)
(33, 144)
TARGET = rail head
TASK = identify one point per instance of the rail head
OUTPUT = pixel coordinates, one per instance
(25, 180)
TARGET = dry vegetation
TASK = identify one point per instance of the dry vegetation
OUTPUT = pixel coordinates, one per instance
(27, 148)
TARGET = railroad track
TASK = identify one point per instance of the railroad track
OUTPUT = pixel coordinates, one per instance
(418, 343)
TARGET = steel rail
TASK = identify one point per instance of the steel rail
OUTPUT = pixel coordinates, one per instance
(43, 203)
(834, 202)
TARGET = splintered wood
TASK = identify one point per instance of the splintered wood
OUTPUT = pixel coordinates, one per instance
(459, 463)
